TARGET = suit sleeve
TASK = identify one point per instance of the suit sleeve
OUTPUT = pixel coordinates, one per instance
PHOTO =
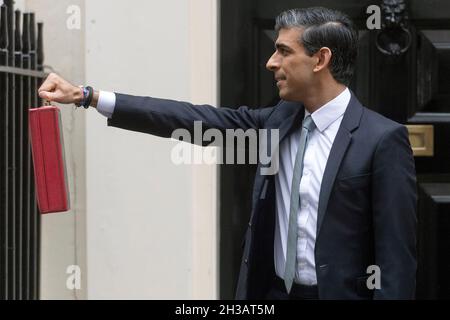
(394, 197)
(161, 117)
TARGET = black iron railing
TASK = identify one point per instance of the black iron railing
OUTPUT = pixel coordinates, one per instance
(21, 72)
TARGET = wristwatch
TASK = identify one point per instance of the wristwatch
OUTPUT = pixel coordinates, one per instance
(88, 94)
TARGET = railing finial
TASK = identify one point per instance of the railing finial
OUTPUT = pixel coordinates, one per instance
(26, 33)
(40, 46)
(3, 28)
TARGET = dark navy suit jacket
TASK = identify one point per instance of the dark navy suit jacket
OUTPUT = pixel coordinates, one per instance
(367, 203)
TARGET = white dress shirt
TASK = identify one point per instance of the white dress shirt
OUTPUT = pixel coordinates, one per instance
(106, 103)
(328, 118)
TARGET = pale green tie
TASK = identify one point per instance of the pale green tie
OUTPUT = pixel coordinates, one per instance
(291, 254)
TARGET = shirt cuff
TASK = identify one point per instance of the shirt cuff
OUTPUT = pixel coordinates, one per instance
(106, 103)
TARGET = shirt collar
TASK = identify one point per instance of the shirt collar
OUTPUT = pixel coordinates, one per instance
(331, 111)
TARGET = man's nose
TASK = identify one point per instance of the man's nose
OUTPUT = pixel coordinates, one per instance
(272, 63)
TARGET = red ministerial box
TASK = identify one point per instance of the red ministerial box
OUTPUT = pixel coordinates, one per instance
(47, 147)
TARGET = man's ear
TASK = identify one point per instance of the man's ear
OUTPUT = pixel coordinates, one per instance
(323, 58)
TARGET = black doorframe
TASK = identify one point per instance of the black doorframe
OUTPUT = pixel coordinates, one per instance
(235, 76)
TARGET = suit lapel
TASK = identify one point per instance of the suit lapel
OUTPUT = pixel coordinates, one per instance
(350, 122)
(291, 123)
(295, 113)
(287, 125)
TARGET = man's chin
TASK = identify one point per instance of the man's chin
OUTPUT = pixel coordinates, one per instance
(285, 96)
(289, 96)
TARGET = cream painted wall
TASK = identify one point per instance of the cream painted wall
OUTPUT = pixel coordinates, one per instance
(151, 225)
(63, 235)
(204, 72)
(19, 4)
(140, 227)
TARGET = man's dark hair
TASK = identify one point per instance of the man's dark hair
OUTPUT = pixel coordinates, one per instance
(325, 28)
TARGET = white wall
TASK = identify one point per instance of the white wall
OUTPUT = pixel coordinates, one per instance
(63, 234)
(151, 227)
(204, 74)
(140, 227)
(19, 4)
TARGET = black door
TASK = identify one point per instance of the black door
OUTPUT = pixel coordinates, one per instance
(403, 72)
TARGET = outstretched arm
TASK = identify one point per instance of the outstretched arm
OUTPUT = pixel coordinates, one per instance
(157, 116)
(162, 116)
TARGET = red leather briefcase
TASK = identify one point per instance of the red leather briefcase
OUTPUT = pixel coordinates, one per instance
(47, 147)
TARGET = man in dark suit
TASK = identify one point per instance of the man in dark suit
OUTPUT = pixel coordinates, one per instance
(338, 219)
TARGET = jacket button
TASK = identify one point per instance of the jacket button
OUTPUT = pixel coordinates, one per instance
(249, 224)
(246, 261)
